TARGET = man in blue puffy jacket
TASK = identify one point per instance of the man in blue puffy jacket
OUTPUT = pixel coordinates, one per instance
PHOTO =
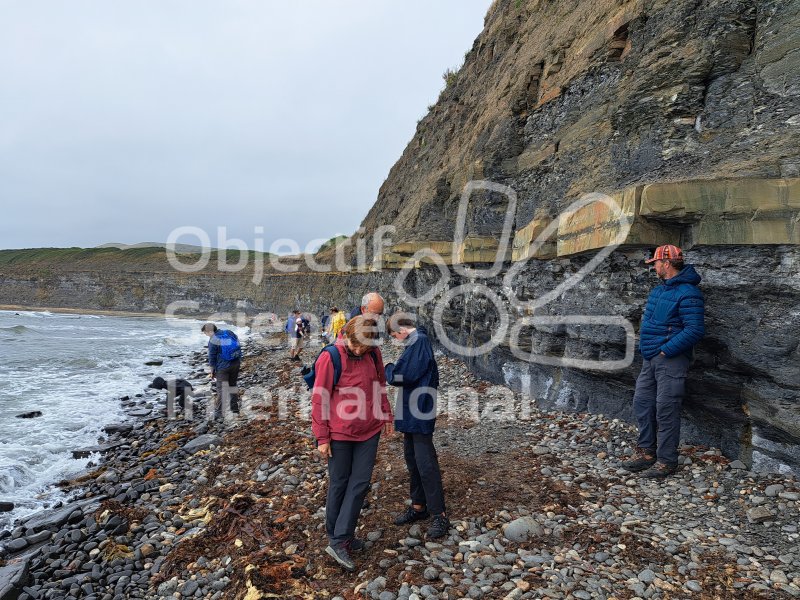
(672, 323)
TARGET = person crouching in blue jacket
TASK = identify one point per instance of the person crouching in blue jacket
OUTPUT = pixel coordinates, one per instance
(417, 376)
(672, 323)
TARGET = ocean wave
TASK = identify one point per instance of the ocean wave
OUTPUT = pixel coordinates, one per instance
(17, 329)
(79, 363)
(14, 476)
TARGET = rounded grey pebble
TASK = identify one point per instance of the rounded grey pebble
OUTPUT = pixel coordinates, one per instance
(475, 592)
(647, 576)
(693, 586)
(189, 588)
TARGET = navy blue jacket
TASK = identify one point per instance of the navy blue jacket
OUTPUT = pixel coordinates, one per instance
(215, 360)
(673, 320)
(415, 369)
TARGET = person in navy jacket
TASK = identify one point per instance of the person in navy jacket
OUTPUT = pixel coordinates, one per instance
(417, 375)
(673, 322)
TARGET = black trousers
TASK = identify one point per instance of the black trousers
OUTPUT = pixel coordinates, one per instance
(349, 473)
(227, 394)
(423, 466)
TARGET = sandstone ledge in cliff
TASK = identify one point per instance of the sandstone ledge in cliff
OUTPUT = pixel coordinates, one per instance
(687, 213)
(729, 211)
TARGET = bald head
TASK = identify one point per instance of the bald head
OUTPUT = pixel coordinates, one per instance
(372, 303)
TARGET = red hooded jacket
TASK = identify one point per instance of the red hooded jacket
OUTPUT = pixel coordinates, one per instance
(358, 407)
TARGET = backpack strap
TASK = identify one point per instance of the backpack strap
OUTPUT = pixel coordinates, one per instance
(336, 359)
(378, 366)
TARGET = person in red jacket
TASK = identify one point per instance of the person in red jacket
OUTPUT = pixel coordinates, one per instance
(347, 420)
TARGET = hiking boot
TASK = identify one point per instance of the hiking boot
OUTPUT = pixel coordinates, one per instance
(340, 554)
(411, 515)
(659, 471)
(642, 459)
(357, 545)
(440, 525)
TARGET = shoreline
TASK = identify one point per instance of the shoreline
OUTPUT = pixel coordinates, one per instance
(84, 311)
(122, 398)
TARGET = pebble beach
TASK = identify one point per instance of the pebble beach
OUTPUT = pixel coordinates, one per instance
(539, 507)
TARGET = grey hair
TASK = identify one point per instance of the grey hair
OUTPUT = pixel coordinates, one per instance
(365, 299)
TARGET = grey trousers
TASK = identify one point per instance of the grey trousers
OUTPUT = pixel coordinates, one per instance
(349, 472)
(227, 392)
(657, 403)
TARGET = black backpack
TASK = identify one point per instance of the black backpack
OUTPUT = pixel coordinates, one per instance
(310, 373)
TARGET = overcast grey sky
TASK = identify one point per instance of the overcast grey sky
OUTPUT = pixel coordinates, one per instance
(120, 121)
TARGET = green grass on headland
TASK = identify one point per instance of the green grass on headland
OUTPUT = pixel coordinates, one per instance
(49, 255)
(148, 259)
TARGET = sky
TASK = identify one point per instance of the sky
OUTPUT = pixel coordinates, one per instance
(124, 121)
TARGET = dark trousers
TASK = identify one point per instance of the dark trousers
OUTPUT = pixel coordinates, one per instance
(423, 466)
(349, 474)
(657, 403)
(227, 394)
(179, 394)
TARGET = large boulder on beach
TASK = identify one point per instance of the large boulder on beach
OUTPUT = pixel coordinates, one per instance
(100, 449)
(201, 442)
(140, 412)
(6, 506)
(72, 512)
(13, 577)
(522, 529)
(121, 428)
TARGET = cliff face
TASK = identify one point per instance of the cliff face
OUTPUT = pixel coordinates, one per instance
(558, 99)
(686, 114)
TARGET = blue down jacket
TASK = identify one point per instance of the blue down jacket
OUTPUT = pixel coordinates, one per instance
(673, 320)
(415, 409)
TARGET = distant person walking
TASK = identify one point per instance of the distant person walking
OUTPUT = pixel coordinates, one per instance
(296, 335)
(672, 323)
(225, 360)
(417, 375)
(325, 325)
(337, 322)
(349, 410)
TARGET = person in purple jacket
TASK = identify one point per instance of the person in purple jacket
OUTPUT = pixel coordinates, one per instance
(417, 376)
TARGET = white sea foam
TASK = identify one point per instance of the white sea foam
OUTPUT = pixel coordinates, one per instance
(74, 370)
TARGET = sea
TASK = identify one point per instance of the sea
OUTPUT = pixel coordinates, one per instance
(74, 368)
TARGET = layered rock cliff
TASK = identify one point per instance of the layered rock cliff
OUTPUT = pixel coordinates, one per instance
(684, 115)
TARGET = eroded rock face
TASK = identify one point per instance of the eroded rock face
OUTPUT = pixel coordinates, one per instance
(561, 99)
(688, 116)
(742, 392)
